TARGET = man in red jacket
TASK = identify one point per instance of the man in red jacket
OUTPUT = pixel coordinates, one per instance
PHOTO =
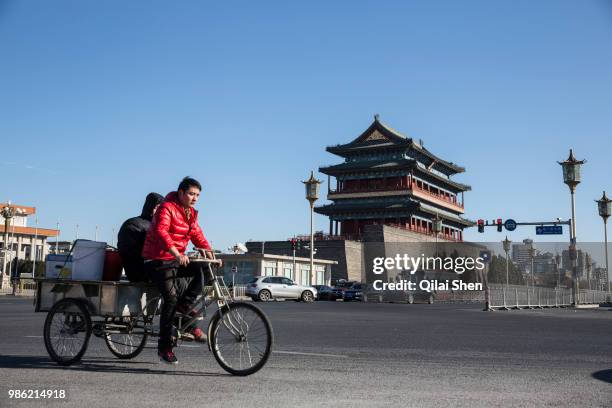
(174, 225)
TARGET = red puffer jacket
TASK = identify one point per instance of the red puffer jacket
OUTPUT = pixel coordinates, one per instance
(171, 228)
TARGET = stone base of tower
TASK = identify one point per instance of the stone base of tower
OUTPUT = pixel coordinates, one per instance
(354, 257)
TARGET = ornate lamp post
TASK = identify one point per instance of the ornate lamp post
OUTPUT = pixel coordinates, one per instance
(35, 247)
(532, 252)
(558, 266)
(571, 177)
(604, 206)
(312, 195)
(506, 243)
(437, 228)
(7, 212)
(587, 266)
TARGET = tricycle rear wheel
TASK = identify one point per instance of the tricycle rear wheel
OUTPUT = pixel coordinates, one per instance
(122, 340)
(67, 331)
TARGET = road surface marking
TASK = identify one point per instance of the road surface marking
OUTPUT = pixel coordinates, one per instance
(309, 354)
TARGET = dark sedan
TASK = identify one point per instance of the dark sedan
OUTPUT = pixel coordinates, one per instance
(354, 292)
(327, 293)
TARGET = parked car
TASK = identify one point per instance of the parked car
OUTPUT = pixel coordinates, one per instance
(421, 296)
(266, 288)
(354, 292)
(398, 296)
(341, 286)
(326, 292)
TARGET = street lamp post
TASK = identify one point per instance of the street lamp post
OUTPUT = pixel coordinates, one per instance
(57, 225)
(532, 252)
(35, 247)
(587, 266)
(312, 195)
(571, 177)
(506, 243)
(437, 228)
(604, 206)
(7, 212)
(557, 264)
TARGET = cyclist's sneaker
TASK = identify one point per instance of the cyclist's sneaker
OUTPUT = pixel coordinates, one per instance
(186, 311)
(197, 333)
(167, 356)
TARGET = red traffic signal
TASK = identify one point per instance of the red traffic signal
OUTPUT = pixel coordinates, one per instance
(499, 225)
(480, 225)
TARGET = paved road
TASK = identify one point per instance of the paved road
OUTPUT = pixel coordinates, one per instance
(355, 354)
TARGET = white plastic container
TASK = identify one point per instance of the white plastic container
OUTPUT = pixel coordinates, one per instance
(58, 266)
(88, 260)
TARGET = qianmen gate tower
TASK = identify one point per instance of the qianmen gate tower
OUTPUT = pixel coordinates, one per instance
(387, 178)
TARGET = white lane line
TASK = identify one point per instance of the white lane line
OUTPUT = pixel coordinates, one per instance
(34, 337)
(309, 354)
(297, 353)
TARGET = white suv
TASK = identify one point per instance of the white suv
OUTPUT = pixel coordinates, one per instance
(266, 288)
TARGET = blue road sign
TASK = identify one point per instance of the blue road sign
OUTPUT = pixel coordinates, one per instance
(549, 230)
(510, 224)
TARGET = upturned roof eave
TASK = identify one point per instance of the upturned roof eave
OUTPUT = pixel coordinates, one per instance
(365, 166)
(395, 136)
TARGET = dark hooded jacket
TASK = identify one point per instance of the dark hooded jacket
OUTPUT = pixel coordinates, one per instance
(132, 236)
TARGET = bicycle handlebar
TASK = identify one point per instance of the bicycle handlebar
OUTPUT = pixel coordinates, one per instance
(204, 260)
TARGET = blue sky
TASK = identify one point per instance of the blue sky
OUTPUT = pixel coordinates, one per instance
(102, 102)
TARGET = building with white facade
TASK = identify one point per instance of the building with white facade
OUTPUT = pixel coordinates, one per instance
(18, 241)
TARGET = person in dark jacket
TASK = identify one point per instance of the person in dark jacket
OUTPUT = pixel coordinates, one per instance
(132, 236)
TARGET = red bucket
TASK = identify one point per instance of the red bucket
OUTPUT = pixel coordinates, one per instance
(112, 266)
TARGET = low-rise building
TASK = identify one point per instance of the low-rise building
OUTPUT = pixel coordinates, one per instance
(60, 247)
(23, 242)
(241, 268)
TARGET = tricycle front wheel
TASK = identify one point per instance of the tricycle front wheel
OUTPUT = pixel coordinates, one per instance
(67, 331)
(241, 338)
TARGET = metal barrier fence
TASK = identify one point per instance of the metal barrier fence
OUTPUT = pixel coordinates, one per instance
(396, 296)
(239, 291)
(21, 287)
(461, 296)
(505, 297)
(593, 296)
(27, 287)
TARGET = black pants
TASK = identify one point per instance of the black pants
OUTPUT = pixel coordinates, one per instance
(134, 270)
(170, 279)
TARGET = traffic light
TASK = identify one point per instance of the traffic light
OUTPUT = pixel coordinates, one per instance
(480, 225)
(293, 243)
(299, 244)
(499, 225)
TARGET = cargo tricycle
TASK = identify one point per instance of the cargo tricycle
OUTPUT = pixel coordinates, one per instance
(124, 315)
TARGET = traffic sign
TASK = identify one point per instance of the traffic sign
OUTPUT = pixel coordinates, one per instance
(549, 230)
(234, 269)
(510, 224)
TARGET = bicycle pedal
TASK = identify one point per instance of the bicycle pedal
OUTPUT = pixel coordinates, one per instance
(186, 337)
